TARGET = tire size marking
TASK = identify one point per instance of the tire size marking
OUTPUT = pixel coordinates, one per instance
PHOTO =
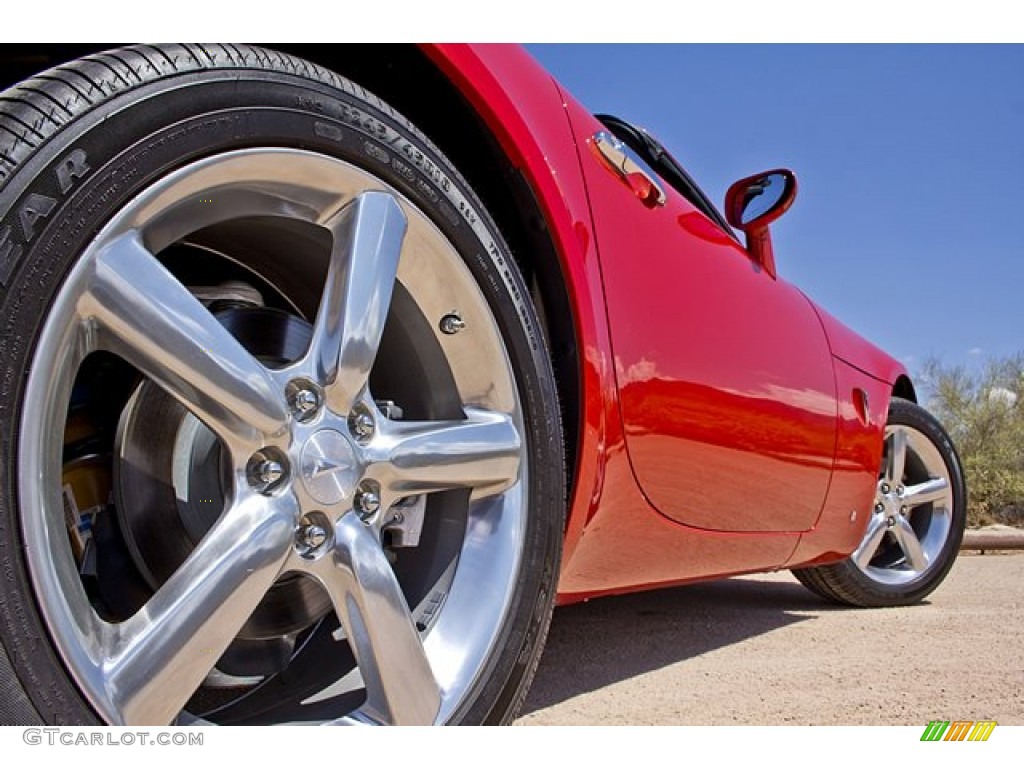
(452, 205)
(311, 105)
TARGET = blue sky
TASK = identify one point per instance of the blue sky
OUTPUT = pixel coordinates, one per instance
(908, 225)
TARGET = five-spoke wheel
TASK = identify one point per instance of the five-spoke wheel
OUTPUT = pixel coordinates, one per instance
(286, 449)
(916, 522)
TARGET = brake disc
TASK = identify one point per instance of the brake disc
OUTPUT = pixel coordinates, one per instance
(169, 488)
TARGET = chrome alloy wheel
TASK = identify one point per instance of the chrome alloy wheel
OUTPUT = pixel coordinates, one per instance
(316, 470)
(912, 516)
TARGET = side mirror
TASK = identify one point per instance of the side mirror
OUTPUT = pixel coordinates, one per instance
(751, 204)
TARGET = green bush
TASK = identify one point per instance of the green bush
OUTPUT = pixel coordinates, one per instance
(983, 411)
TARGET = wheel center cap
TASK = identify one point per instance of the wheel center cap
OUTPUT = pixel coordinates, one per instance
(329, 467)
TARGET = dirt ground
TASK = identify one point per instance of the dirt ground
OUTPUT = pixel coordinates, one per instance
(762, 650)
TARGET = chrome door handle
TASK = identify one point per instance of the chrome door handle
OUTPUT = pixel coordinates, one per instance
(613, 155)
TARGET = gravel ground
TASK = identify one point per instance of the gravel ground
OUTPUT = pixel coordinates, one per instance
(762, 650)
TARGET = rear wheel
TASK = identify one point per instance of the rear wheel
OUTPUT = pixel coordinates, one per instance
(916, 525)
(280, 435)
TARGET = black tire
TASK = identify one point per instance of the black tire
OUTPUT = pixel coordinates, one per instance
(845, 583)
(79, 140)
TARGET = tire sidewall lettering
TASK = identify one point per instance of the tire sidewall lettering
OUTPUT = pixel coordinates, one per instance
(27, 216)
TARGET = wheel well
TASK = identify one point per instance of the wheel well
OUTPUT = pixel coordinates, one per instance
(904, 388)
(405, 78)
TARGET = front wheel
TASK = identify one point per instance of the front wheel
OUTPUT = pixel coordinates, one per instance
(280, 438)
(917, 523)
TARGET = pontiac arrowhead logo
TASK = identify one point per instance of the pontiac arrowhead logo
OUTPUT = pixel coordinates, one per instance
(323, 466)
(329, 467)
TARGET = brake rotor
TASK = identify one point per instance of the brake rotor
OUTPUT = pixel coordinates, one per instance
(170, 482)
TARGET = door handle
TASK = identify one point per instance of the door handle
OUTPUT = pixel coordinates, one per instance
(614, 156)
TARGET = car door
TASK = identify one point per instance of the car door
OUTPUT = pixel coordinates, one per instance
(725, 375)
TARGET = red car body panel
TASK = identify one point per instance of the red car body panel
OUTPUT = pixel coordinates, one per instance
(857, 351)
(728, 425)
(855, 469)
(724, 373)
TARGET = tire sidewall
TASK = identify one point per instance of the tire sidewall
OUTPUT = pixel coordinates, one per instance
(62, 196)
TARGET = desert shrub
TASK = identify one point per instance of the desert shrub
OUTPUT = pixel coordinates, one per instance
(983, 410)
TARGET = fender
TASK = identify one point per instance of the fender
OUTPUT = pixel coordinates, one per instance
(860, 366)
(522, 106)
(615, 541)
(854, 350)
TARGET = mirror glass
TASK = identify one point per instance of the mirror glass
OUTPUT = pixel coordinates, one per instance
(762, 196)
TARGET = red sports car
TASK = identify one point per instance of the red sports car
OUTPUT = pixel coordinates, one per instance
(326, 372)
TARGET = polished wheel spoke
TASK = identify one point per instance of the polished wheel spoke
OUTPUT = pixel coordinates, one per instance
(481, 452)
(897, 457)
(249, 475)
(930, 491)
(145, 315)
(160, 656)
(913, 475)
(872, 541)
(400, 684)
(910, 544)
(368, 235)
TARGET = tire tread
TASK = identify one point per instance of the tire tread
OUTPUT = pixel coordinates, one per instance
(50, 100)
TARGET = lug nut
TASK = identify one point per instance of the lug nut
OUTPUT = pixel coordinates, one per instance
(312, 536)
(367, 504)
(266, 470)
(451, 324)
(890, 522)
(305, 400)
(362, 426)
(879, 507)
(885, 488)
(312, 533)
(903, 510)
(269, 472)
(303, 397)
